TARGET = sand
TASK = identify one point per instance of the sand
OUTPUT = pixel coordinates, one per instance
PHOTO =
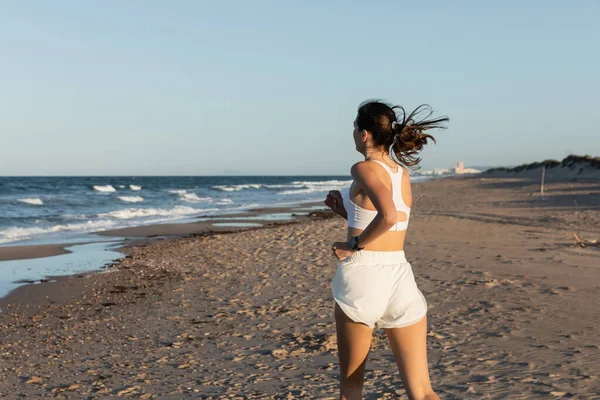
(29, 252)
(513, 307)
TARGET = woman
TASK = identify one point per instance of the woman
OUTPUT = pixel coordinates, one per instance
(374, 283)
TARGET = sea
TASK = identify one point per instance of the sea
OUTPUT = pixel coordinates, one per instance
(45, 210)
(56, 209)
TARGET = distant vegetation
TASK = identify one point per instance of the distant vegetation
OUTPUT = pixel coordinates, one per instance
(570, 161)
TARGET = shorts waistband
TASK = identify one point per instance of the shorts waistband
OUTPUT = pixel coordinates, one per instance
(378, 257)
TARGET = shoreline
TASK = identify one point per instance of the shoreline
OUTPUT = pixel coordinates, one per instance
(24, 251)
(27, 252)
(31, 297)
(51, 288)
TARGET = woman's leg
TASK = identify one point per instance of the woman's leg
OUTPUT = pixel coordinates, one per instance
(354, 343)
(409, 346)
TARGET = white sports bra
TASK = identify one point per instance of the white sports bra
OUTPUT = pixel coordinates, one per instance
(360, 218)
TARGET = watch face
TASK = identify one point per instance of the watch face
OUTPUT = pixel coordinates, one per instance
(353, 243)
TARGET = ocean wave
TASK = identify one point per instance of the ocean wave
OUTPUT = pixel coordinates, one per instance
(224, 201)
(334, 182)
(131, 199)
(317, 186)
(134, 187)
(297, 185)
(302, 191)
(237, 188)
(75, 216)
(109, 220)
(193, 198)
(15, 234)
(131, 213)
(34, 202)
(190, 197)
(331, 184)
(104, 189)
(121, 186)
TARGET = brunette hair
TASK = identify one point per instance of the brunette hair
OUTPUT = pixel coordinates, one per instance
(390, 126)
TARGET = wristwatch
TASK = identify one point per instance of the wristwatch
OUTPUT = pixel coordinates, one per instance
(354, 244)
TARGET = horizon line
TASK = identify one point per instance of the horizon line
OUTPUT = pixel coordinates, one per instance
(119, 176)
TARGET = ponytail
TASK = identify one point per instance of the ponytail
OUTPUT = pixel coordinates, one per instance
(408, 133)
(403, 135)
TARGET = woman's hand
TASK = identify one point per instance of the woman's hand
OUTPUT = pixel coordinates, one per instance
(342, 250)
(336, 203)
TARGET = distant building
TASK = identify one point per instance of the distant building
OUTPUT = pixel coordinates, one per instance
(460, 169)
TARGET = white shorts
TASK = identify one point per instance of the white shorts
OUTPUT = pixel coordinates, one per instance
(378, 287)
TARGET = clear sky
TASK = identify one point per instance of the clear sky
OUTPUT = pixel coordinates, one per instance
(271, 87)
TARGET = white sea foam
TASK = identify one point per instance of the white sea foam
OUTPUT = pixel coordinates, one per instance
(297, 185)
(15, 234)
(131, 213)
(225, 188)
(34, 202)
(134, 187)
(236, 188)
(109, 220)
(131, 199)
(76, 216)
(302, 191)
(316, 186)
(224, 201)
(323, 183)
(104, 189)
(193, 198)
(121, 186)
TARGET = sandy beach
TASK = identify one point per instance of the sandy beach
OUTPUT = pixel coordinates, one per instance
(513, 306)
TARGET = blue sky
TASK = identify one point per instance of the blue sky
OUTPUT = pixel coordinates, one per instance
(212, 88)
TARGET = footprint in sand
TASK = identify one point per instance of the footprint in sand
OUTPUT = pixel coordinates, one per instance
(557, 290)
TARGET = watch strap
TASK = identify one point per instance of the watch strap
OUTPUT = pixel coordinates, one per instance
(354, 240)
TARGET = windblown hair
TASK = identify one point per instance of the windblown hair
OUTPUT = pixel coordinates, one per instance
(407, 136)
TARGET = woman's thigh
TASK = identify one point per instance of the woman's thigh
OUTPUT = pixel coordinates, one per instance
(409, 346)
(354, 343)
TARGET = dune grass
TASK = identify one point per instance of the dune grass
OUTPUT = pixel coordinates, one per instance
(569, 162)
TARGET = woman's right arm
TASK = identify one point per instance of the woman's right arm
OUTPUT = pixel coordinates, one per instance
(336, 203)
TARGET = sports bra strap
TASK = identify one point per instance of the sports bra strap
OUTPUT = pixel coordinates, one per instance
(387, 168)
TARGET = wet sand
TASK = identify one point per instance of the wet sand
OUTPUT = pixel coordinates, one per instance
(513, 307)
(29, 252)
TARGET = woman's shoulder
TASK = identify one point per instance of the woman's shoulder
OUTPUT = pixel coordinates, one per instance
(405, 181)
(359, 168)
